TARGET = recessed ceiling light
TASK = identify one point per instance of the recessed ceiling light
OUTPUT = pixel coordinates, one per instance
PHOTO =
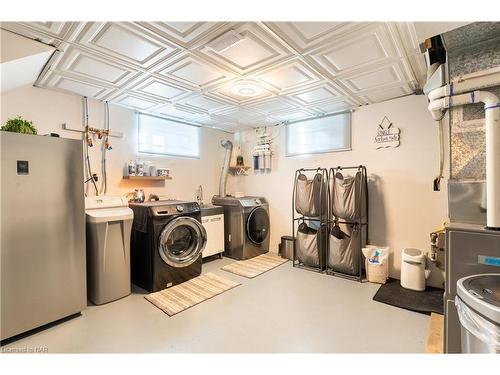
(246, 88)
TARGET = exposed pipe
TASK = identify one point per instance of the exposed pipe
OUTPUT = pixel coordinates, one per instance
(491, 102)
(460, 86)
(228, 145)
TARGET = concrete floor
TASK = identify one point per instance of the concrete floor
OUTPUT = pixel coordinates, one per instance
(284, 310)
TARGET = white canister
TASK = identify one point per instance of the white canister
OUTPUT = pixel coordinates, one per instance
(152, 170)
(262, 163)
(413, 273)
(145, 166)
(267, 159)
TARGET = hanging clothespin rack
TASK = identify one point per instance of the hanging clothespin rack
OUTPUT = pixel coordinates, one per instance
(92, 130)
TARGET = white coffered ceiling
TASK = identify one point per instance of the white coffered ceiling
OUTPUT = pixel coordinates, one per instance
(175, 69)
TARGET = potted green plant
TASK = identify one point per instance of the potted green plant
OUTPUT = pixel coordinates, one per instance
(19, 125)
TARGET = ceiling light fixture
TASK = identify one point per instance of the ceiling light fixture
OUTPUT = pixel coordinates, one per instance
(246, 88)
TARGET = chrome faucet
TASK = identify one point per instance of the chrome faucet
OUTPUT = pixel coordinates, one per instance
(199, 195)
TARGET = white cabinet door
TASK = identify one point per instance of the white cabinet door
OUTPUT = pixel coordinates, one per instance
(214, 225)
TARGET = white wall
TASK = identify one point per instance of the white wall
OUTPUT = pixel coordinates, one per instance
(49, 109)
(404, 209)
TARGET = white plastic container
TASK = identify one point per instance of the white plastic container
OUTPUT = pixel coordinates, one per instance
(413, 273)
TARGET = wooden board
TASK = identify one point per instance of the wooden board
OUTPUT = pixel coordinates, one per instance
(147, 178)
(435, 336)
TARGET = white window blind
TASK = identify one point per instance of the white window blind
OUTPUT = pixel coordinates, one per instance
(325, 134)
(166, 137)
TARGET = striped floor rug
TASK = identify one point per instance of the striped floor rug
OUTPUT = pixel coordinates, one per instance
(255, 266)
(192, 292)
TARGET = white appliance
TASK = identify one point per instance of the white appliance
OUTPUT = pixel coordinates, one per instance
(214, 226)
(109, 225)
(413, 272)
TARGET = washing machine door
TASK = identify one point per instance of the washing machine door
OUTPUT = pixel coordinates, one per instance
(182, 242)
(258, 225)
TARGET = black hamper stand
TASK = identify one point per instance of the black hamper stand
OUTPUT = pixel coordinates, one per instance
(323, 220)
(363, 225)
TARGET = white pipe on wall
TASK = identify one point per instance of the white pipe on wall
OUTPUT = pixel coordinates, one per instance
(491, 102)
(228, 146)
(492, 110)
(460, 86)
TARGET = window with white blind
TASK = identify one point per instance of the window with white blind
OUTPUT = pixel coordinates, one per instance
(167, 137)
(318, 135)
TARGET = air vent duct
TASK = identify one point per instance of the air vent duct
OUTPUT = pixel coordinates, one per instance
(225, 41)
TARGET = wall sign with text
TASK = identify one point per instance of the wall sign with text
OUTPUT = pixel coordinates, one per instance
(387, 135)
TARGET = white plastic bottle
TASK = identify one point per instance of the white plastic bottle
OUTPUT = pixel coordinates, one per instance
(262, 163)
(267, 159)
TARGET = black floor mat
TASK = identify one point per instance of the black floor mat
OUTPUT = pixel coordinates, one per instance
(392, 293)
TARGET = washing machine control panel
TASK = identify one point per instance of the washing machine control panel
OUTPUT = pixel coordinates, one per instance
(175, 209)
(251, 202)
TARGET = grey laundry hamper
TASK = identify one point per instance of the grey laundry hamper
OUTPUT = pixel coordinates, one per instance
(348, 196)
(310, 201)
(310, 195)
(343, 252)
(348, 232)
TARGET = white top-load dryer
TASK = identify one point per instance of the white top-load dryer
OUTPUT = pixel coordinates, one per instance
(109, 224)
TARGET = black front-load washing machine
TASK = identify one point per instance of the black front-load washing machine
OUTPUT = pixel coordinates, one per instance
(166, 243)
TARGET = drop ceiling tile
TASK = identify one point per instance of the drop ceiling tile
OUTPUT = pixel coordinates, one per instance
(184, 34)
(304, 68)
(47, 32)
(241, 115)
(124, 41)
(304, 36)
(292, 115)
(203, 103)
(257, 49)
(336, 106)
(382, 76)
(194, 72)
(135, 101)
(411, 44)
(160, 88)
(273, 105)
(80, 63)
(315, 94)
(288, 76)
(178, 112)
(382, 94)
(361, 49)
(217, 122)
(74, 85)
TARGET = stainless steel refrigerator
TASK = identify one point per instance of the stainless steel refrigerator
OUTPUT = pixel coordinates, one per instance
(42, 230)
